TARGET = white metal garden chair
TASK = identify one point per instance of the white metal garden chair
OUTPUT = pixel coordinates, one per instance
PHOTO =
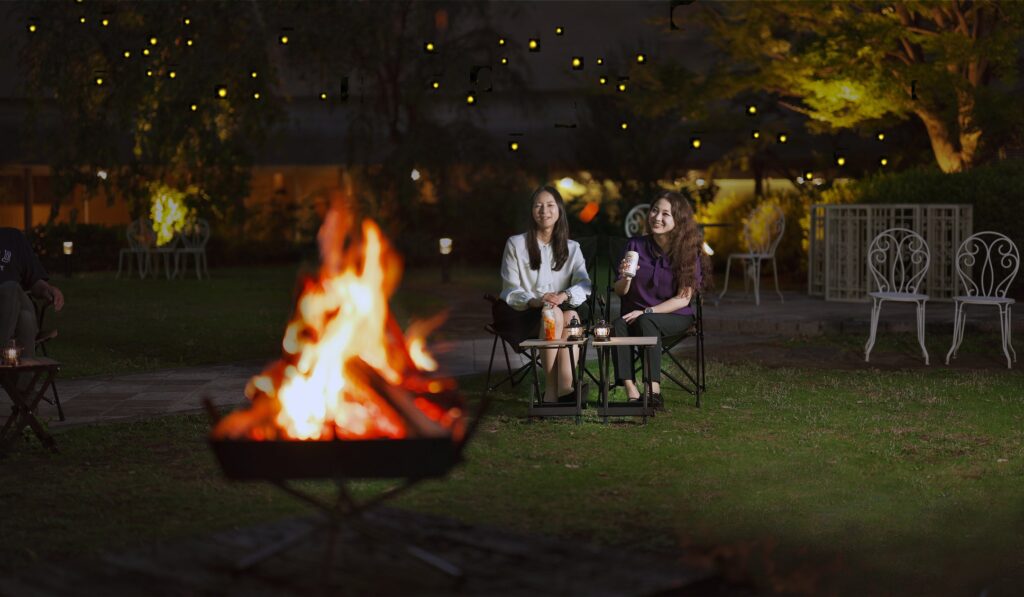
(898, 261)
(140, 241)
(762, 248)
(193, 242)
(636, 220)
(986, 263)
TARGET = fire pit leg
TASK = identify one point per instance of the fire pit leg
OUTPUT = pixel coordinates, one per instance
(272, 550)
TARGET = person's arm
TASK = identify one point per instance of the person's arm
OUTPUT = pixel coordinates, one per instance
(512, 291)
(580, 286)
(670, 306)
(48, 292)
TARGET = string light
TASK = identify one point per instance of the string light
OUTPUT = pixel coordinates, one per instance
(435, 84)
(149, 73)
(187, 21)
(283, 40)
(751, 109)
(809, 175)
(501, 41)
(624, 125)
(429, 46)
(783, 137)
(323, 95)
(840, 161)
(470, 99)
(577, 63)
(99, 80)
(600, 61)
(884, 161)
(513, 146)
(172, 74)
(504, 60)
(222, 91)
(756, 134)
(881, 136)
(534, 45)
(559, 31)
(81, 20)
(622, 87)
(152, 41)
(603, 80)
(256, 95)
(127, 54)
(32, 28)
(695, 142)
(641, 58)
(188, 42)
(105, 22)
(145, 51)
(254, 74)
(193, 107)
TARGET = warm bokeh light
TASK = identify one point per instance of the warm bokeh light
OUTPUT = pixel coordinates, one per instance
(577, 63)
(534, 45)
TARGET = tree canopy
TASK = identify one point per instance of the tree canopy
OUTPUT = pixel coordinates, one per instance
(849, 64)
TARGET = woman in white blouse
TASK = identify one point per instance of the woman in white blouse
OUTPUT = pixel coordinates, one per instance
(543, 267)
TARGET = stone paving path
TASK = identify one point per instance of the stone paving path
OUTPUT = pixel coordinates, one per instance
(737, 330)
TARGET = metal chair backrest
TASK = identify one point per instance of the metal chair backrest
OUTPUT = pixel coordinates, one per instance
(195, 235)
(993, 258)
(140, 234)
(763, 229)
(898, 260)
(636, 220)
(589, 246)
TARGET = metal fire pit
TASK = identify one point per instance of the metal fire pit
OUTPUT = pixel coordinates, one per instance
(417, 458)
(278, 462)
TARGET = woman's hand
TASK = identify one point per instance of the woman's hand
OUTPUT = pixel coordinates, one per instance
(555, 298)
(622, 269)
(632, 315)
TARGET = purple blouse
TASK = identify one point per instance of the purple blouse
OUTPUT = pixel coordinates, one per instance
(655, 281)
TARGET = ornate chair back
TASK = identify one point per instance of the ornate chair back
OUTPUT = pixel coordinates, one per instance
(898, 260)
(987, 263)
(763, 228)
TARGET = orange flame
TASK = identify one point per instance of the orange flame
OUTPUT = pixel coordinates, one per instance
(347, 370)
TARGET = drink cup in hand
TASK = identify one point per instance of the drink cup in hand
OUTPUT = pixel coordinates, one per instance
(631, 260)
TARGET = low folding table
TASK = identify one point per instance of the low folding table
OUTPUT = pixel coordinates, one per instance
(539, 408)
(40, 372)
(640, 408)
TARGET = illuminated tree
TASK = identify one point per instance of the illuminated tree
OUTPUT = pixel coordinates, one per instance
(848, 64)
(149, 91)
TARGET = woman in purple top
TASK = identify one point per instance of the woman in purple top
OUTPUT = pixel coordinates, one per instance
(656, 301)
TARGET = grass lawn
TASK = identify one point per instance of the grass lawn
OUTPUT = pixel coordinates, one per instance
(131, 325)
(793, 480)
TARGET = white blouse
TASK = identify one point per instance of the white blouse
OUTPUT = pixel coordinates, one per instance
(520, 283)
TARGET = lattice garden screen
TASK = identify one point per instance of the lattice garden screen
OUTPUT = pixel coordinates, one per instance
(839, 236)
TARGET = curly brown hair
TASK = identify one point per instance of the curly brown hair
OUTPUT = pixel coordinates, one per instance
(685, 241)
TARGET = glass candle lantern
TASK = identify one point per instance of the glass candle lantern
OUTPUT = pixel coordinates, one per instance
(10, 354)
(602, 331)
(574, 329)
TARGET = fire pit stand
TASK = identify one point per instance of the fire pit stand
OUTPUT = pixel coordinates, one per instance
(411, 460)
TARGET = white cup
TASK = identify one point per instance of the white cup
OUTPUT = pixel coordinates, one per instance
(632, 260)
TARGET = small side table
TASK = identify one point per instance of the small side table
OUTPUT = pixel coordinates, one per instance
(624, 409)
(538, 408)
(25, 400)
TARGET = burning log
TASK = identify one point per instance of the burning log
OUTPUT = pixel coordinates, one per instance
(417, 424)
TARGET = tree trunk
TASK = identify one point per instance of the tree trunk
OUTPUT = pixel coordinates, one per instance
(946, 154)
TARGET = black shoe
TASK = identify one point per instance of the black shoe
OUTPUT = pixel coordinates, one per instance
(570, 398)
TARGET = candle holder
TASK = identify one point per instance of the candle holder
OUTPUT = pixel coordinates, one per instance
(575, 330)
(10, 354)
(602, 331)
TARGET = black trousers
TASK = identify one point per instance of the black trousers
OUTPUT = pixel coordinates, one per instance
(653, 324)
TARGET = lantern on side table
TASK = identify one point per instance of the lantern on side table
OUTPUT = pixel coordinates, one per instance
(602, 331)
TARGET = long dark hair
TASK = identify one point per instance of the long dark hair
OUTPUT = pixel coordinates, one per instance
(685, 242)
(559, 236)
